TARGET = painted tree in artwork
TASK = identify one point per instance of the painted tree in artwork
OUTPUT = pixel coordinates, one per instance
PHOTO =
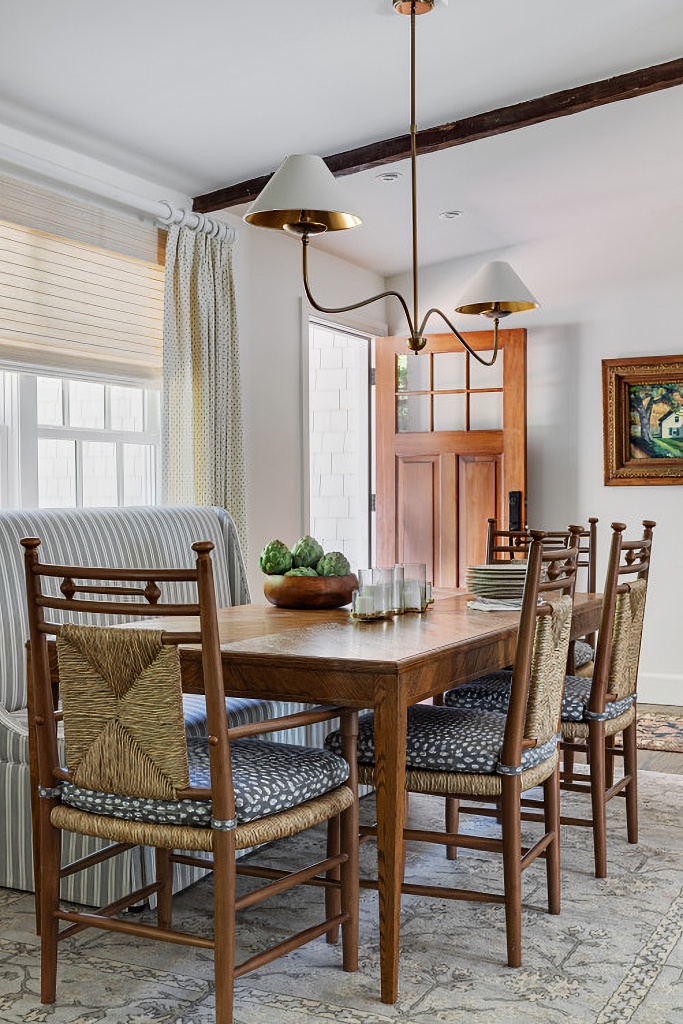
(644, 397)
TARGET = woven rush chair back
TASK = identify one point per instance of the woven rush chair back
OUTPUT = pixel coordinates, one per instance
(621, 626)
(541, 654)
(121, 696)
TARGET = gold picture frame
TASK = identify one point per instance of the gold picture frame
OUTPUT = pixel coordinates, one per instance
(643, 420)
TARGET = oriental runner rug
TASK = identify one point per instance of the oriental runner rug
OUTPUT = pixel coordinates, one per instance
(660, 731)
(613, 956)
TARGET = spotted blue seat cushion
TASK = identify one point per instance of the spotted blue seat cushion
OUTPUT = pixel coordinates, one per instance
(583, 653)
(267, 778)
(492, 693)
(442, 739)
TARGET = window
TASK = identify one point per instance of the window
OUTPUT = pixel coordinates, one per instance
(71, 442)
(81, 314)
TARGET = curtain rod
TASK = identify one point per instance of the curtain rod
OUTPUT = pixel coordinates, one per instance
(83, 186)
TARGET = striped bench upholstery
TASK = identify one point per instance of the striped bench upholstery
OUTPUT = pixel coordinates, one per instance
(153, 536)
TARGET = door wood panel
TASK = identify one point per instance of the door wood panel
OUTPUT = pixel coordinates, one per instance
(436, 487)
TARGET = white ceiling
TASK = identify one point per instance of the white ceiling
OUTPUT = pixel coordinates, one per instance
(200, 95)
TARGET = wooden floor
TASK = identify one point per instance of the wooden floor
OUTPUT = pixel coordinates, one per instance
(661, 760)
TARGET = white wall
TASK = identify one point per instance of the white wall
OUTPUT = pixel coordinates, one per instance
(611, 293)
(273, 342)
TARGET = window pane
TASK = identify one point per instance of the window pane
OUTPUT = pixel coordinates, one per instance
(449, 412)
(449, 370)
(486, 411)
(412, 413)
(138, 474)
(56, 473)
(126, 408)
(412, 372)
(487, 376)
(99, 474)
(50, 409)
(86, 404)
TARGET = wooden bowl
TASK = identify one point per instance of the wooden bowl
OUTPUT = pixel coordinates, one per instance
(309, 591)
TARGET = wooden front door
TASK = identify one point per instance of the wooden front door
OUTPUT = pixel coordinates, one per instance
(451, 444)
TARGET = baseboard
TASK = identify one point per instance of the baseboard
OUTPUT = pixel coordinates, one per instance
(660, 688)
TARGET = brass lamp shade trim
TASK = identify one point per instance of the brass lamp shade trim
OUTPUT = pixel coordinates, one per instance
(302, 197)
(496, 291)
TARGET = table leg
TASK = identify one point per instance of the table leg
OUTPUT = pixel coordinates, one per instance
(390, 765)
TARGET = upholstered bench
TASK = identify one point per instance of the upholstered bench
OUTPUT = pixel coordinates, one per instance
(142, 536)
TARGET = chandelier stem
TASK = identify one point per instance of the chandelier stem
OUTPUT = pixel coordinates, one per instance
(353, 305)
(413, 162)
(463, 342)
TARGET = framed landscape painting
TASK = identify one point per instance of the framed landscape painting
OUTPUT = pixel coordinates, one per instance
(643, 420)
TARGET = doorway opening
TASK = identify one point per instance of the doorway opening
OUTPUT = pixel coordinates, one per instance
(340, 437)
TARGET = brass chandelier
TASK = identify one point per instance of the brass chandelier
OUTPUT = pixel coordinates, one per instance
(304, 198)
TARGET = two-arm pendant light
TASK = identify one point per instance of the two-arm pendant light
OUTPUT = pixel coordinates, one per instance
(304, 198)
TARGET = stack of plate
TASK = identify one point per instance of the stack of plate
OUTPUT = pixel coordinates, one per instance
(503, 580)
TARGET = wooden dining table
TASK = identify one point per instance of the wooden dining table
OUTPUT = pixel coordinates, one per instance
(324, 657)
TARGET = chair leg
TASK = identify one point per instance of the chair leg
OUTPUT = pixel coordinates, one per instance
(551, 812)
(452, 824)
(596, 748)
(631, 768)
(511, 813)
(224, 923)
(50, 863)
(609, 762)
(164, 874)
(350, 891)
(567, 763)
(333, 903)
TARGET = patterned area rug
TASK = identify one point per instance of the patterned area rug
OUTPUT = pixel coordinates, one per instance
(658, 731)
(613, 956)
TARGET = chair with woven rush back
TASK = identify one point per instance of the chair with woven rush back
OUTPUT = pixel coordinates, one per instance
(507, 545)
(596, 708)
(132, 776)
(493, 758)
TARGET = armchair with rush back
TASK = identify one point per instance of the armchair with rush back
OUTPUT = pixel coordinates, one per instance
(493, 757)
(130, 776)
(596, 708)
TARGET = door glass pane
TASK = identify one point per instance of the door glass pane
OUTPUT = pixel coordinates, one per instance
(126, 408)
(449, 370)
(449, 412)
(412, 372)
(487, 376)
(56, 473)
(412, 413)
(86, 404)
(138, 474)
(486, 411)
(99, 474)
(49, 396)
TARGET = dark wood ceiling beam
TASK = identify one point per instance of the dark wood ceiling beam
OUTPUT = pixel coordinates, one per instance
(471, 129)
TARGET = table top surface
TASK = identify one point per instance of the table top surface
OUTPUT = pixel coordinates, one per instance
(254, 632)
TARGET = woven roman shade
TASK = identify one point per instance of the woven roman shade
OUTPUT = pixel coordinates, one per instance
(87, 298)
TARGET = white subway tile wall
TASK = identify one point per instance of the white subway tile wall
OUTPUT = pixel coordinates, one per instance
(339, 442)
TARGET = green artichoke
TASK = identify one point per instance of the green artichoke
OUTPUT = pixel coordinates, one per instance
(334, 563)
(275, 559)
(302, 570)
(307, 552)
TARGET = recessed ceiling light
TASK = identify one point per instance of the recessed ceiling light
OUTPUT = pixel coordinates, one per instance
(387, 176)
(450, 214)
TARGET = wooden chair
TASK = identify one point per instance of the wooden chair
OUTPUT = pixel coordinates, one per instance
(599, 708)
(506, 545)
(491, 758)
(132, 778)
(596, 708)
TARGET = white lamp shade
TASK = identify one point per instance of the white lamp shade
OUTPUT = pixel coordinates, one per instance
(496, 289)
(303, 191)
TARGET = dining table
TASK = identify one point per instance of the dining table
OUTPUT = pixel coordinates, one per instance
(327, 657)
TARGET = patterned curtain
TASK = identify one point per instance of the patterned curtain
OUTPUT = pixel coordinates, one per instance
(202, 427)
